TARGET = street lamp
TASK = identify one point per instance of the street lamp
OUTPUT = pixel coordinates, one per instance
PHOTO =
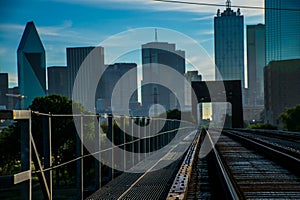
(20, 99)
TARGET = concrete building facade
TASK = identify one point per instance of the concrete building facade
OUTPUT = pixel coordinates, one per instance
(282, 81)
(57, 80)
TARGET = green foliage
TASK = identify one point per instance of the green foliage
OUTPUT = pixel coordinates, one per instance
(104, 127)
(10, 150)
(263, 126)
(177, 114)
(55, 104)
(291, 118)
(174, 114)
(62, 128)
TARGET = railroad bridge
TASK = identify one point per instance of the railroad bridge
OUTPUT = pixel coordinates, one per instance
(244, 164)
(170, 164)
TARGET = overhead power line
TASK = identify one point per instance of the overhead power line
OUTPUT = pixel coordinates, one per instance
(222, 5)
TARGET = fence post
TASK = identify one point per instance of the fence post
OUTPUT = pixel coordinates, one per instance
(50, 155)
(151, 131)
(166, 135)
(141, 141)
(169, 129)
(79, 152)
(131, 149)
(173, 128)
(121, 137)
(47, 132)
(97, 127)
(126, 146)
(156, 133)
(144, 145)
(137, 143)
(25, 127)
(110, 132)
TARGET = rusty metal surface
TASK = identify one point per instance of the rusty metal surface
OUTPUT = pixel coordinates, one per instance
(200, 185)
(180, 185)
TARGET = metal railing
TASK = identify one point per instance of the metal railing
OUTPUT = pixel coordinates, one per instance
(141, 135)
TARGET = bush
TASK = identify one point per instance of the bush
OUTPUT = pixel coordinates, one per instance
(263, 126)
(290, 118)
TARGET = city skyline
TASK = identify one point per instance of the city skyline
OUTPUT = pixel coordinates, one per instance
(149, 99)
(99, 21)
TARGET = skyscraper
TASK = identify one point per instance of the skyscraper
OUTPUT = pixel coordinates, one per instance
(282, 30)
(256, 63)
(31, 66)
(108, 81)
(57, 80)
(75, 57)
(3, 89)
(190, 76)
(154, 55)
(13, 102)
(229, 44)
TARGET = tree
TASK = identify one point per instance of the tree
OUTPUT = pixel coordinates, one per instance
(10, 150)
(290, 118)
(63, 130)
(177, 114)
(63, 134)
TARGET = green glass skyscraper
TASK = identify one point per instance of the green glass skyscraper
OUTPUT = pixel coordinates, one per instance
(282, 30)
(31, 66)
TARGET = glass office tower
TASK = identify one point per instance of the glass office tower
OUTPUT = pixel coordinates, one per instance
(282, 30)
(31, 66)
(256, 63)
(229, 44)
(155, 55)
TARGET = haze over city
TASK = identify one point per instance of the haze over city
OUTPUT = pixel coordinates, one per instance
(63, 23)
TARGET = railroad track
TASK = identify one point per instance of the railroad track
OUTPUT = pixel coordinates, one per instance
(243, 166)
(254, 175)
(284, 139)
(202, 185)
(202, 182)
(279, 150)
(238, 167)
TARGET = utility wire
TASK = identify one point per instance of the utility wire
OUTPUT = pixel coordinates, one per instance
(222, 5)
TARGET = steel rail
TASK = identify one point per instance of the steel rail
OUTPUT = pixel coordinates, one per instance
(230, 185)
(276, 153)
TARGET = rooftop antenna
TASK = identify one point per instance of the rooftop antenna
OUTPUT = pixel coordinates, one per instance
(155, 35)
(228, 4)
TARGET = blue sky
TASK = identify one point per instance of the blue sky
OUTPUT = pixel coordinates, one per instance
(70, 23)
